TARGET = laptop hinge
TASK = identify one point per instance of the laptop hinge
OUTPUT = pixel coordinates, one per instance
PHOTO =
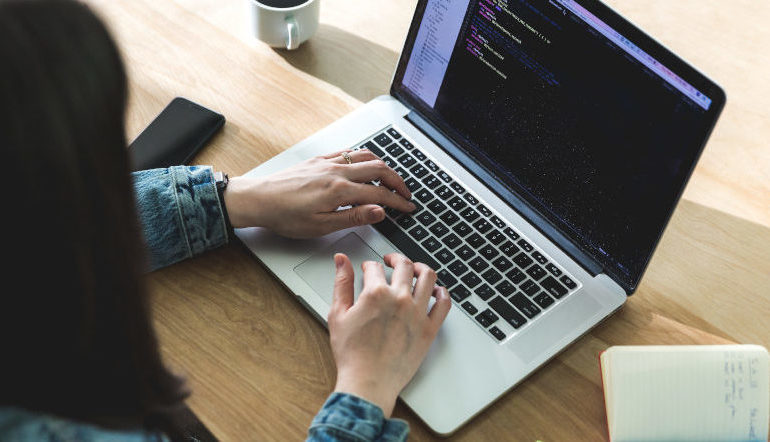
(518, 204)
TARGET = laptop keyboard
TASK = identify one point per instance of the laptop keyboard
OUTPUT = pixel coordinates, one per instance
(498, 277)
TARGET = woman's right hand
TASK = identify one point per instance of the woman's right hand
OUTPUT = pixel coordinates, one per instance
(380, 341)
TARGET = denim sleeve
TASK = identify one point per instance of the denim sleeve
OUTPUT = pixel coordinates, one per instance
(180, 213)
(348, 418)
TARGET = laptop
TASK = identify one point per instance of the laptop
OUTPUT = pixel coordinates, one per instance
(546, 143)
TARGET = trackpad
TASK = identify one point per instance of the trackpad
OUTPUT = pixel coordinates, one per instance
(318, 270)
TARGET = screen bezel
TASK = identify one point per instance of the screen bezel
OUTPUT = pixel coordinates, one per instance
(508, 193)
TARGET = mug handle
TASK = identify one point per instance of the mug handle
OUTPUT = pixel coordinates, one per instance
(292, 34)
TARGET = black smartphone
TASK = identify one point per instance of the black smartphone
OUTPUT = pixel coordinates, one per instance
(174, 136)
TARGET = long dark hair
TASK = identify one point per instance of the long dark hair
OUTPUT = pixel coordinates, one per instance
(75, 333)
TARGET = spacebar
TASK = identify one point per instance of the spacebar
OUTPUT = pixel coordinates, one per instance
(405, 243)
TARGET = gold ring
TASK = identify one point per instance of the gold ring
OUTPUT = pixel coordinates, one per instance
(347, 157)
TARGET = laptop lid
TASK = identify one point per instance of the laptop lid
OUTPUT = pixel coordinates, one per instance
(566, 109)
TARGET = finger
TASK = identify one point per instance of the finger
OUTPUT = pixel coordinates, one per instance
(355, 216)
(374, 274)
(342, 298)
(360, 194)
(335, 154)
(356, 156)
(403, 271)
(423, 288)
(440, 309)
(373, 170)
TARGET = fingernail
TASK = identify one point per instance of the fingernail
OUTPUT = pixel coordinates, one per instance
(412, 205)
(337, 261)
(374, 214)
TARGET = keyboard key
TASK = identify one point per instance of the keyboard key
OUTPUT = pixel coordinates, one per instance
(543, 300)
(511, 233)
(451, 241)
(471, 280)
(478, 264)
(431, 244)
(419, 171)
(539, 257)
(420, 156)
(475, 240)
(482, 225)
(469, 214)
(446, 279)
(449, 218)
(505, 288)
(497, 333)
(405, 244)
(525, 305)
(555, 271)
(465, 253)
(431, 165)
(491, 276)
(457, 203)
(509, 249)
(471, 199)
(444, 193)
(406, 160)
(444, 176)
(457, 188)
(486, 318)
(393, 213)
(395, 150)
(488, 252)
(529, 287)
(516, 276)
(470, 308)
(462, 229)
(484, 292)
(444, 255)
(426, 218)
(393, 133)
(525, 245)
(430, 181)
(390, 162)
(497, 222)
(522, 260)
(436, 206)
(412, 184)
(406, 222)
(502, 264)
(536, 272)
(568, 282)
(484, 211)
(406, 144)
(373, 149)
(423, 195)
(417, 207)
(459, 293)
(495, 236)
(418, 232)
(439, 229)
(507, 312)
(458, 268)
(382, 139)
(552, 286)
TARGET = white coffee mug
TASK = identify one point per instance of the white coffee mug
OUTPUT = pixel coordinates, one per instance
(284, 27)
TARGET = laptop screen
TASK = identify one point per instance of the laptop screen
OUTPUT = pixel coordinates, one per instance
(570, 108)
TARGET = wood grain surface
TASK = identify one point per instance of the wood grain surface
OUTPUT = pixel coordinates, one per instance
(260, 365)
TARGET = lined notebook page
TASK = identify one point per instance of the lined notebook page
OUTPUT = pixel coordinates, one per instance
(702, 393)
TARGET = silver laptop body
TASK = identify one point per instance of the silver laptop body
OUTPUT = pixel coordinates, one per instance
(468, 366)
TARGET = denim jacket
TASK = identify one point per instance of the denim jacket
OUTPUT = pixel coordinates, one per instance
(182, 216)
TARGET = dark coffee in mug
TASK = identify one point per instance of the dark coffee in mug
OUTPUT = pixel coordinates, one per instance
(282, 3)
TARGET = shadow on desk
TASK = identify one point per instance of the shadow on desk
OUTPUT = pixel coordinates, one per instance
(345, 60)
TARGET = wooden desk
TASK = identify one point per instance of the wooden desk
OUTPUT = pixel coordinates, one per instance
(260, 365)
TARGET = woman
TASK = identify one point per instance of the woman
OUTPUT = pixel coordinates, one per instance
(80, 358)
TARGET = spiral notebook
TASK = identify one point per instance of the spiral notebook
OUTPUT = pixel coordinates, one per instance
(678, 393)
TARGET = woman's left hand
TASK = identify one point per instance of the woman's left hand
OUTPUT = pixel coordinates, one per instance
(301, 201)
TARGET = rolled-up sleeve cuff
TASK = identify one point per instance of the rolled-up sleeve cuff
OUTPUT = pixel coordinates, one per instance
(346, 417)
